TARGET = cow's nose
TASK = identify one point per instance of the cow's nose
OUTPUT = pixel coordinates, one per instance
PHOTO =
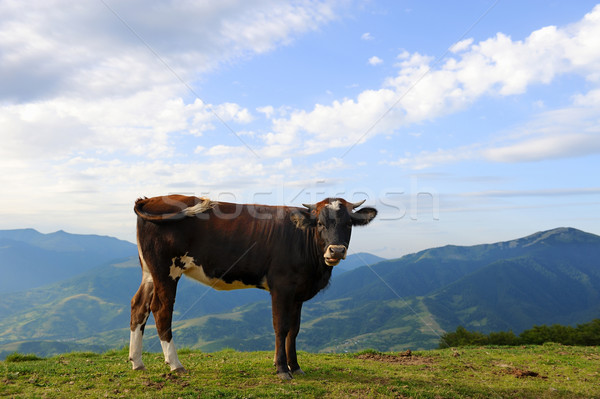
(337, 251)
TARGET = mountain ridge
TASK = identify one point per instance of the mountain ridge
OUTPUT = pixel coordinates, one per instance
(543, 278)
(30, 259)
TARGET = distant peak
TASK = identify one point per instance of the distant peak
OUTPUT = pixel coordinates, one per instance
(21, 234)
(559, 234)
(559, 231)
(25, 230)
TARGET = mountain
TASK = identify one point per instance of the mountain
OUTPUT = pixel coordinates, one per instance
(98, 301)
(355, 261)
(430, 270)
(545, 278)
(90, 311)
(553, 277)
(30, 259)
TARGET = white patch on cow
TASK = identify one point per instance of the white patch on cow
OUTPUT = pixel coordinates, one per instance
(197, 273)
(171, 355)
(176, 271)
(135, 348)
(200, 207)
(335, 205)
(146, 276)
(136, 336)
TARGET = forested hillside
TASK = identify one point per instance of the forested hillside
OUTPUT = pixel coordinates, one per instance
(546, 278)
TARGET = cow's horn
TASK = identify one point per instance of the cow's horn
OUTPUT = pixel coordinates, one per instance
(309, 206)
(357, 204)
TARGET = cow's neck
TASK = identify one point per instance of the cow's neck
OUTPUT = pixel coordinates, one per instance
(321, 270)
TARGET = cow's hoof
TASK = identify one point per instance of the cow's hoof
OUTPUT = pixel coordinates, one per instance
(285, 375)
(180, 370)
(140, 368)
(298, 371)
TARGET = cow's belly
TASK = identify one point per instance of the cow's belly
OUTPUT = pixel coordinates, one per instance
(185, 265)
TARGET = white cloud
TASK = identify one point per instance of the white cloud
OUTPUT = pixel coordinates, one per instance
(428, 159)
(558, 134)
(267, 110)
(231, 111)
(262, 28)
(341, 124)
(77, 79)
(93, 117)
(51, 47)
(590, 99)
(140, 124)
(423, 91)
(225, 150)
(285, 164)
(367, 36)
(375, 60)
(461, 46)
(542, 148)
(568, 192)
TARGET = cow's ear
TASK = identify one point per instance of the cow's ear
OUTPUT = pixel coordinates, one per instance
(302, 219)
(363, 216)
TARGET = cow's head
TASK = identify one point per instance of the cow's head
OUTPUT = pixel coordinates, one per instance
(332, 220)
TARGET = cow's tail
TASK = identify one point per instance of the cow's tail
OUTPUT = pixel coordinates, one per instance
(173, 213)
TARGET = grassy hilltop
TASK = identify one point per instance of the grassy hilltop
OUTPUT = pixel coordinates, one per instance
(547, 371)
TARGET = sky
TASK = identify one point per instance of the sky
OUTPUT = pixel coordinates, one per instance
(463, 122)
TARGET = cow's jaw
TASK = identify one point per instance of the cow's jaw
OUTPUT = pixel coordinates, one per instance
(332, 262)
(334, 254)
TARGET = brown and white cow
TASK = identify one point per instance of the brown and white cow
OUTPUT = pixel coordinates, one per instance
(288, 251)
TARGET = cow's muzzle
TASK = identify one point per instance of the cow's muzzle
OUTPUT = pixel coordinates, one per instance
(334, 254)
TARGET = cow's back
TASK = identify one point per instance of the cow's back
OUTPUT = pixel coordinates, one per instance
(231, 246)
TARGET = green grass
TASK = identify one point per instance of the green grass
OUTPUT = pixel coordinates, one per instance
(18, 357)
(548, 371)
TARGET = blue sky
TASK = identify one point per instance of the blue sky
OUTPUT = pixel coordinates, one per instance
(462, 122)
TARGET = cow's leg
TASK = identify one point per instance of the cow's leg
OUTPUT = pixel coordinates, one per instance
(282, 305)
(290, 342)
(162, 308)
(140, 310)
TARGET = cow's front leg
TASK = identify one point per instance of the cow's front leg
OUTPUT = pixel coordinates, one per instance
(290, 342)
(282, 305)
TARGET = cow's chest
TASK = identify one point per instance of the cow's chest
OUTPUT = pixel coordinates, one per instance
(313, 283)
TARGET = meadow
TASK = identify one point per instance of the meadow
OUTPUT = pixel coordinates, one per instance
(543, 371)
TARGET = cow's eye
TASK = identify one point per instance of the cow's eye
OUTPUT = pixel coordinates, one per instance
(320, 225)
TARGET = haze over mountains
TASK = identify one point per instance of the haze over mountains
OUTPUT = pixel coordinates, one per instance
(548, 277)
(30, 259)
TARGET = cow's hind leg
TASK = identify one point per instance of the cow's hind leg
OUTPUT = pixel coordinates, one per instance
(140, 310)
(162, 308)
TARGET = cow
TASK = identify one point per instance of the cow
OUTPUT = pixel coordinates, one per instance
(288, 251)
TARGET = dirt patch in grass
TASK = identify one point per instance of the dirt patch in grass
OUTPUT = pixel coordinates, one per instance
(153, 384)
(519, 373)
(401, 358)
